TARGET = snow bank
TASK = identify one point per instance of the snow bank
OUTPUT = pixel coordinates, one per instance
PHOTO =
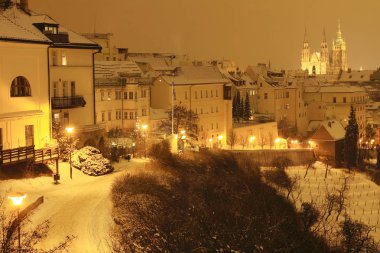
(91, 162)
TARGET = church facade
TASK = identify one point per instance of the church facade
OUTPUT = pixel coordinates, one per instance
(324, 62)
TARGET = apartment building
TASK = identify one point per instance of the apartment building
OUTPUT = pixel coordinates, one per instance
(205, 91)
(24, 93)
(333, 102)
(122, 95)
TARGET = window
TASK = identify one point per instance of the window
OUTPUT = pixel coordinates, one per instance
(211, 95)
(206, 94)
(125, 95)
(125, 115)
(109, 96)
(55, 58)
(287, 106)
(131, 115)
(20, 87)
(212, 109)
(65, 88)
(73, 88)
(287, 94)
(64, 59)
(216, 93)
(196, 95)
(102, 95)
(135, 95)
(131, 95)
(212, 125)
(103, 116)
(334, 99)
(344, 100)
(117, 95)
(109, 115)
(201, 94)
(55, 89)
(265, 95)
(216, 109)
(143, 112)
(185, 94)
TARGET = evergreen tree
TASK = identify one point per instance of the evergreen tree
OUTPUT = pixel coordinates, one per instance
(351, 140)
(234, 108)
(238, 106)
(247, 108)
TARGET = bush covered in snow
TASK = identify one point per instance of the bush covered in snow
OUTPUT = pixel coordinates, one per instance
(91, 162)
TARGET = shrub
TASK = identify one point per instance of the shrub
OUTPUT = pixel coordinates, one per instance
(91, 162)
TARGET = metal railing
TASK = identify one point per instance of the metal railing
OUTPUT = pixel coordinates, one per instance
(67, 102)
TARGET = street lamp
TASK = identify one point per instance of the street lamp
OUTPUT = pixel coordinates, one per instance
(69, 131)
(17, 202)
(144, 128)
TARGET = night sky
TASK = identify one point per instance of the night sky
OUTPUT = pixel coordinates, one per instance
(247, 31)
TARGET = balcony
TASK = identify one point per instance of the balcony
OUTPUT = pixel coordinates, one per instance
(67, 102)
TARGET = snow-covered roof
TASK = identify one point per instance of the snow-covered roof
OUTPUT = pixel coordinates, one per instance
(16, 24)
(111, 69)
(356, 76)
(156, 62)
(12, 28)
(334, 129)
(197, 75)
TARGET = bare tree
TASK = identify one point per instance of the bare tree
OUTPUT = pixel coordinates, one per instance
(243, 141)
(232, 138)
(310, 164)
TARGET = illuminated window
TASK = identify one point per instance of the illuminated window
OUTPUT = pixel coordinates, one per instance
(109, 115)
(55, 89)
(64, 59)
(20, 87)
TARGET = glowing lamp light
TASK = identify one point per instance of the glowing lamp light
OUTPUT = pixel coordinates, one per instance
(220, 137)
(17, 199)
(145, 127)
(176, 136)
(210, 140)
(183, 131)
(372, 141)
(277, 140)
(133, 144)
(70, 129)
(252, 139)
(361, 140)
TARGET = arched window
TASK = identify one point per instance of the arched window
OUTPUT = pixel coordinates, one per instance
(20, 87)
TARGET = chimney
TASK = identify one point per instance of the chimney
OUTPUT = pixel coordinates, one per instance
(24, 5)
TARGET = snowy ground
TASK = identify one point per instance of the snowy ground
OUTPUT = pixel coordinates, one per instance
(80, 207)
(363, 195)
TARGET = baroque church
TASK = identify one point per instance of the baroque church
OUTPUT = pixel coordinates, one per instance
(324, 62)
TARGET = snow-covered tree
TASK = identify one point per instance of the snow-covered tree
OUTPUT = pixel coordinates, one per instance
(241, 107)
(235, 106)
(351, 140)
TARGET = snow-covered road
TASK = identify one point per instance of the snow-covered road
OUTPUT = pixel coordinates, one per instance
(80, 207)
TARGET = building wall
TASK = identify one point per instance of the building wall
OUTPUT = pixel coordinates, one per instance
(264, 135)
(30, 61)
(207, 100)
(125, 112)
(67, 65)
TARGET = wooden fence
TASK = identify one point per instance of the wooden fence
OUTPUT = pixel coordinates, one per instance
(23, 154)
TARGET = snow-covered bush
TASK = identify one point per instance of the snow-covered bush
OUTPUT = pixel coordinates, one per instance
(91, 162)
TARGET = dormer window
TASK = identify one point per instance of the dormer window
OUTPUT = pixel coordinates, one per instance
(51, 29)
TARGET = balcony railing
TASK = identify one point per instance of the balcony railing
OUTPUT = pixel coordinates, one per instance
(67, 102)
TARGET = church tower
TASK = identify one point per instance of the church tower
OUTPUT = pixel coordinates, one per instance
(339, 53)
(325, 58)
(305, 55)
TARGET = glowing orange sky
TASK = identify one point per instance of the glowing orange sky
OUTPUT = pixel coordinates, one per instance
(247, 31)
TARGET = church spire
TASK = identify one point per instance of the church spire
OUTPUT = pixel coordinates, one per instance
(305, 37)
(324, 35)
(339, 32)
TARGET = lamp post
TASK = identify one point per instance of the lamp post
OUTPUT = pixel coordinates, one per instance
(251, 140)
(144, 128)
(17, 202)
(69, 131)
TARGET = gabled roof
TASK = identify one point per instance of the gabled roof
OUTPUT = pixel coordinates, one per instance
(334, 129)
(18, 25)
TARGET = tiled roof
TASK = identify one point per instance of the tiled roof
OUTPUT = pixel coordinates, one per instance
(110, 69)
(197, 75)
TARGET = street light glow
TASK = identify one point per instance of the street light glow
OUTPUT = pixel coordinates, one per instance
(69, 130)
(220, 137)
(144, 126)
(252, 138)
(17, 199)
(183, 131)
